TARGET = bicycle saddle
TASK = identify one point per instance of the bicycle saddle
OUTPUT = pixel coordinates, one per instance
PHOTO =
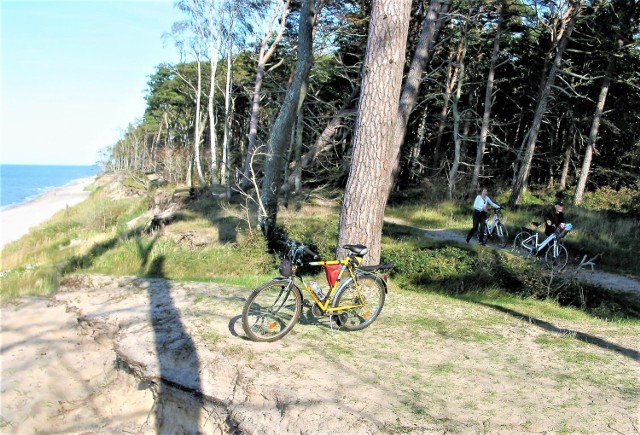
(359, 250)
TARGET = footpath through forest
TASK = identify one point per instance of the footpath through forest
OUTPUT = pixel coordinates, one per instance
(610, 281)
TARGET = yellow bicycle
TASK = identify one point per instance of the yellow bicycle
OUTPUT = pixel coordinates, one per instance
(354, 300)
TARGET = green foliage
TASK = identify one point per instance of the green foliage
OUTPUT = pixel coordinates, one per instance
(95, 237)
(428, 264)
(321, 232)
(625, 199)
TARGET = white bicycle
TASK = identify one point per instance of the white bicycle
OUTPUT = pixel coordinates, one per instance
(494, 230)
(556, 255)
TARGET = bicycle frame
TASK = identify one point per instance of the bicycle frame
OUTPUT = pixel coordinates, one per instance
(537, 247)
(494, 223)
(354, 300)
(552, 239)
(345, 265)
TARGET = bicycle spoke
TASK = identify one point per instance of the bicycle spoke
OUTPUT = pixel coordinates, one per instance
(271, 311)
(556, 257)
(361, 305)
(523, 244)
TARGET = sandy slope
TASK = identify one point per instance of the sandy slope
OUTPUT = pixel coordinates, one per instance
(128, 355)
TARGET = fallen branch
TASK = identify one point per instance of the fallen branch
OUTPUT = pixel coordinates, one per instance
(590, 263)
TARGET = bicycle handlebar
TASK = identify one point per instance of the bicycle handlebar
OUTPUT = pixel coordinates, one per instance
(310, 252)
(297, 248)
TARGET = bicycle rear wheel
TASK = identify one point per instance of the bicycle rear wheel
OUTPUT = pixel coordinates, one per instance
(503, 235)
(518, 244)
(271, 311)
(366, 299)
(556, 257)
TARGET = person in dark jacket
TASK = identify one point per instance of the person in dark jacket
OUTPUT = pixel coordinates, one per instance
(554, 218)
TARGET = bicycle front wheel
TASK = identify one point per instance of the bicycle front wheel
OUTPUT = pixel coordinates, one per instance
(556, 257)
(519, 245)
(503, 235)
(361, 301)
(271, 311)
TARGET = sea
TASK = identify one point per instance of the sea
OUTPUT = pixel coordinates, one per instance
(22, 183)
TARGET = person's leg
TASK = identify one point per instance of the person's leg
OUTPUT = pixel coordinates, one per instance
(482, 217)
(474, 228)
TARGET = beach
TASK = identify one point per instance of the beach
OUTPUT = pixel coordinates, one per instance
(16, 221)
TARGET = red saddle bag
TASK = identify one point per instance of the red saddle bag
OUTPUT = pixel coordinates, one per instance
(332, 271)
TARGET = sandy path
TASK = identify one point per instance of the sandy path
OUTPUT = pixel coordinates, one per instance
(127, 355)
(16, 221)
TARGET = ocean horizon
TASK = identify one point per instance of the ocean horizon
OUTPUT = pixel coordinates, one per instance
(24, 183)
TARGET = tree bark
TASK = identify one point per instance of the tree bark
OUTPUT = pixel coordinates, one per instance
(227, 102)
(456, 115)
(214, 41)
(564, 174)
(532, 135)
(280, 136)
(488, 96)
(593, 133)
(196, 134)
(431, 26)
(322, 143)
(374, 150)
(263, 57)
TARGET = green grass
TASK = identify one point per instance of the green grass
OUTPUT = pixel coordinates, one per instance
(597, 230)
(211, 338)
(216, 242)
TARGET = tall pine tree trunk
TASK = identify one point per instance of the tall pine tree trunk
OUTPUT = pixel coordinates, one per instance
(323, 142)
(532, 135)
(263, 57)
(214, 40)
(370, 178)
(197, 129)
(566, 162)
(593, 133)
(431, 25)
(456, 114)
(488, 96)
(280, 137)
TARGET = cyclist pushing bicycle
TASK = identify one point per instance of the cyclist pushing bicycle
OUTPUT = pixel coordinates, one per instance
(554, 224)
(555, 253)
(480, 216)
(554, 218)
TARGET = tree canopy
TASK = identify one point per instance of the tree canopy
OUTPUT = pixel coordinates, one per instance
(548, 75)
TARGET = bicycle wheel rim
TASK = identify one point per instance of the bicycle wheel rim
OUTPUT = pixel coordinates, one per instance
(518, 247)
(271, 311)
(503, 235)
(556, 258)
(370, 295)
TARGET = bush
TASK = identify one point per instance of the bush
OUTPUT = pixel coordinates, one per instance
(606, 198)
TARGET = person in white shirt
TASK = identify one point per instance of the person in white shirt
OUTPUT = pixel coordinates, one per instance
(480, 215)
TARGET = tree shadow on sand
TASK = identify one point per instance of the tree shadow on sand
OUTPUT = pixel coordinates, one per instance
(179, 399)
(550, 327)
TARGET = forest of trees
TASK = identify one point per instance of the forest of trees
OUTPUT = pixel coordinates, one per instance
(277, 96)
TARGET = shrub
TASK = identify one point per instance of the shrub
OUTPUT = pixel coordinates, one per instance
(607, 198)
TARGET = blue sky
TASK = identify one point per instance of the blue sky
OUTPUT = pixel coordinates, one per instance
(74, 74)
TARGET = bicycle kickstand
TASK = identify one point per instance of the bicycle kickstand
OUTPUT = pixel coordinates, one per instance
(331, 323)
